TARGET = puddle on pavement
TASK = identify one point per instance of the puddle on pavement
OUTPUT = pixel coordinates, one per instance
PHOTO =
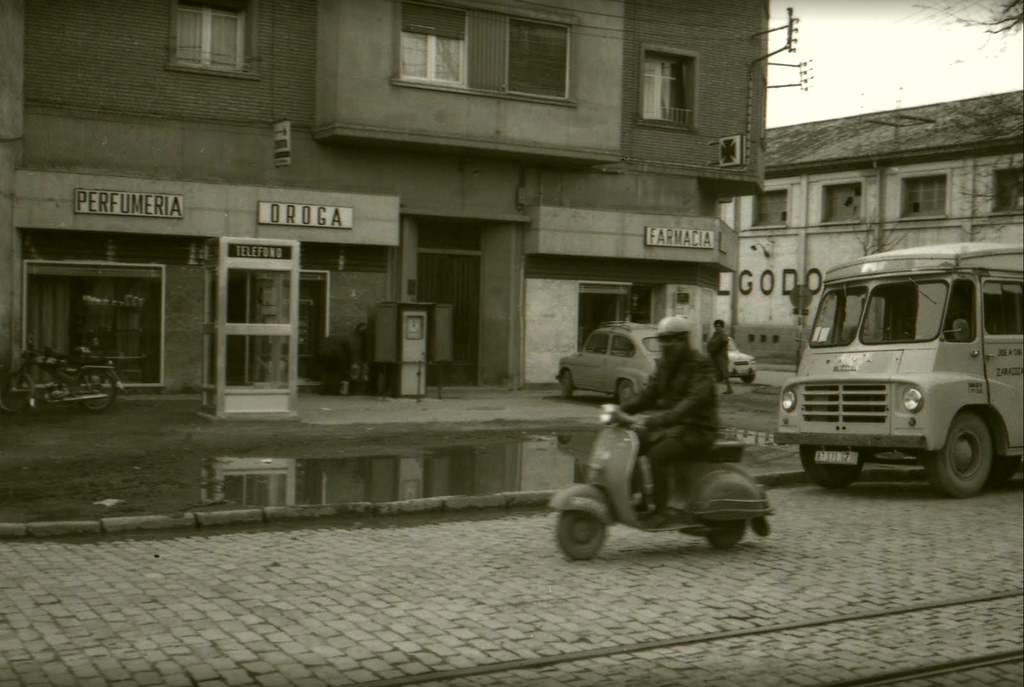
(540, 462)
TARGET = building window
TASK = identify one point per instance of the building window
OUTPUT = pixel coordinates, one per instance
(113, 310)
(841, 203)
(668, 88)
(211, 35)
(770, 208)
(924, 196)
(484, 51)
(433, 43)
(537, 58)
(1009, 188)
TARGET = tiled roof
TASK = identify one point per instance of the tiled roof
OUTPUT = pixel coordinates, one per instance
(895, 133)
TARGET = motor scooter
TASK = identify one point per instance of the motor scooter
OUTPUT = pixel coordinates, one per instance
(710, 496)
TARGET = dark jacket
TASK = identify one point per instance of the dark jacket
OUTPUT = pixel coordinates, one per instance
(718, 345)
(685, 392)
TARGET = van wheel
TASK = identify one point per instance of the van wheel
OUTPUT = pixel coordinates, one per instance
(828, 476)
(1003, 470)
(580, 535)
(565, 384)
(624, 391)
(960, 468)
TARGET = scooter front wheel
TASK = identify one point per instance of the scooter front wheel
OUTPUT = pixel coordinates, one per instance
(580, 535)
(727, 534)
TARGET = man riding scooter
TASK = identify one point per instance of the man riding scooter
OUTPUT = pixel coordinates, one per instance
(683, 391)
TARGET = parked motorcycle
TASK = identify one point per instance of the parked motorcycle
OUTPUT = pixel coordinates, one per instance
(45, 377)
(711, 496)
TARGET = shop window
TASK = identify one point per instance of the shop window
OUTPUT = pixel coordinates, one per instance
(924, 196)
(770, 208)
(668, 88)
(116, 311)
(599, 303)
(212, 34)
(484, 50)
(1009, 190)
(841, 202)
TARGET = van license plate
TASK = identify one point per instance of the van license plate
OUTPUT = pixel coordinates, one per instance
(836, 457)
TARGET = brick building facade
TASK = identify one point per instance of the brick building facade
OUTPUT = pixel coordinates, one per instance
(520, 185)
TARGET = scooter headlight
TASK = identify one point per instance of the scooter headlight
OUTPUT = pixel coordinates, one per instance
(913, 399)
(788, 400)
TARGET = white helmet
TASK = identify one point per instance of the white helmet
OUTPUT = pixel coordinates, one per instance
(674, 325)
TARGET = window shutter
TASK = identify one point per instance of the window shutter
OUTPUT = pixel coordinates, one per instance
(487, 45)
(434, 21)
(537, 58)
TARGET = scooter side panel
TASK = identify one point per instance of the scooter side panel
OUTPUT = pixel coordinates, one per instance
(583, 497)
(723, 491)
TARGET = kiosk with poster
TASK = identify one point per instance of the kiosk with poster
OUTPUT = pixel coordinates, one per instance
(407, 336)
(250, 338)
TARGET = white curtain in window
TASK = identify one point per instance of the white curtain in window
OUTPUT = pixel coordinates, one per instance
(190, 34)
(448, 62)
(414, 55)
(224, 50)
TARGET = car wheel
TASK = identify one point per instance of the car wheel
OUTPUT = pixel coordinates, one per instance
(565, 384)
(748, 378)
(624, 391)
(961, 467)
(828, 476)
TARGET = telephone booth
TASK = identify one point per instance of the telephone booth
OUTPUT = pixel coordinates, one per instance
(251, 333)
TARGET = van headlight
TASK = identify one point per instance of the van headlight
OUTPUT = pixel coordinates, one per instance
(788, 400)
(913, 399)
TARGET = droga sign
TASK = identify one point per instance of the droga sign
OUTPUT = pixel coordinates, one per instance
(678, 238)
(300, 215)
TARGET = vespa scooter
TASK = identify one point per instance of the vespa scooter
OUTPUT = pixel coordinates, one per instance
(711, 496)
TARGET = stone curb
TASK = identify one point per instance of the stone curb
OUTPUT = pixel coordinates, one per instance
(267, 514)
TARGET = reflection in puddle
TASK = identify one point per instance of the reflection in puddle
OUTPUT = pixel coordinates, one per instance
(534, 464)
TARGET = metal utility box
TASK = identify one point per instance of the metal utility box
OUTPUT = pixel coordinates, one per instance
(407, 336)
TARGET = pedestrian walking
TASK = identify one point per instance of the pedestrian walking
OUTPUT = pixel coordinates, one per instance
(718, 351)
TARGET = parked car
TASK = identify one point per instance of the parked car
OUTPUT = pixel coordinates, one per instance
(740, 364)
(618, 357)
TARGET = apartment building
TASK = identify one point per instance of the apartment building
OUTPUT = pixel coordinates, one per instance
(541, 166)
(839, 189)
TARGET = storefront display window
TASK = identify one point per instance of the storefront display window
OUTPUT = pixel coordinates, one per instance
(114, 310)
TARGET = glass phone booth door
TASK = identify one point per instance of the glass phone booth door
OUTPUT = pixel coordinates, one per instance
(250, 339)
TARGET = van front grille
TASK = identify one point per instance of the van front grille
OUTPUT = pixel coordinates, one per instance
(845, 403)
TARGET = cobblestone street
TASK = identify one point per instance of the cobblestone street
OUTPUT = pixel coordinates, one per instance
(398, 603)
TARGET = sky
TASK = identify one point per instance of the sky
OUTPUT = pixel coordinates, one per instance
(873, 55)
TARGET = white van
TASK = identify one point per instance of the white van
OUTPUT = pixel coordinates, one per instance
(914, 354)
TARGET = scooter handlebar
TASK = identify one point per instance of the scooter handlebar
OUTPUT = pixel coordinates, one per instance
(612, 415)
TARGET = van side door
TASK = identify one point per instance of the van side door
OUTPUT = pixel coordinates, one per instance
(1003, 317)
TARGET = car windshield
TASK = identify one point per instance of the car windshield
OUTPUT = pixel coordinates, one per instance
(838, 315)
(904, 311)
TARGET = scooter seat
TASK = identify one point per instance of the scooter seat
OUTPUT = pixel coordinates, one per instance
(726, 452)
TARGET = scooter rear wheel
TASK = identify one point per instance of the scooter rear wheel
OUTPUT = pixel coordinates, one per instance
(727, 534)
(580, 535)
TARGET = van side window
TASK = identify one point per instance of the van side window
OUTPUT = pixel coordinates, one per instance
(961, 307)
(1004, 307)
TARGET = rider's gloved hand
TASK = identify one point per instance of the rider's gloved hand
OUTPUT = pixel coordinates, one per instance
(638, 424)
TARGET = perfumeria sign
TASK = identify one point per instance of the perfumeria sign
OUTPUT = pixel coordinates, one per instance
(135, 204)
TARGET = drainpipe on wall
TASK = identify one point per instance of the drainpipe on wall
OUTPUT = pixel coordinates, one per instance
(12, 78)
(880, 182)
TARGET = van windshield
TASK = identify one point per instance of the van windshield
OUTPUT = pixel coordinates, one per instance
(838, 316)
(904, 311)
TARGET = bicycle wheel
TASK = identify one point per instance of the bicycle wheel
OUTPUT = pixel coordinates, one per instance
(16, 392)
